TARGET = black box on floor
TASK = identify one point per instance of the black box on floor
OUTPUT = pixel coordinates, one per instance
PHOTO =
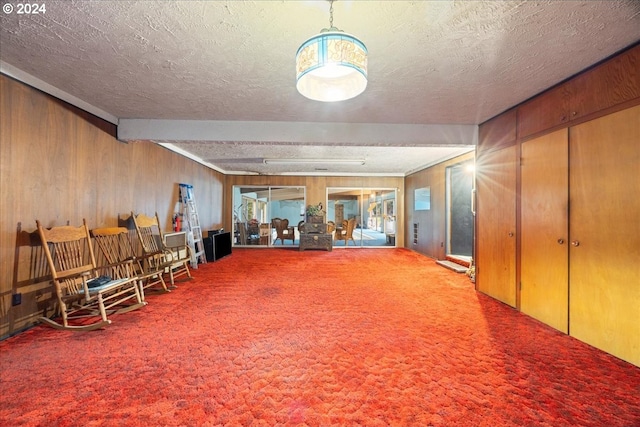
(212, 233)
(217, 246)
(208, 248)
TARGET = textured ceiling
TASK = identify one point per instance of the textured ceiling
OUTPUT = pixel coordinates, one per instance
(216, 79)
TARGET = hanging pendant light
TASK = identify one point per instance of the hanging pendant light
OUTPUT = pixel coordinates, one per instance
(331, 66)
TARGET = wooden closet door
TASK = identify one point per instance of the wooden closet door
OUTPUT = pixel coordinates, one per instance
(544, 276)
(496, 221)
(604, 254)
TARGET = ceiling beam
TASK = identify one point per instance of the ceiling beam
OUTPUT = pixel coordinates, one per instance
(45, 87)
(419, 135)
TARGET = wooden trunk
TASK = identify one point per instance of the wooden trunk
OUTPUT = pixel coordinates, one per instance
(316, 241)
(308, 227)
(315, 219)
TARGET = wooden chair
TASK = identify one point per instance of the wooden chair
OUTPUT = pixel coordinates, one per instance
(331, 227)
(346, 231)
(265, 231)
(78, 282)
(116, 247)
(241, 228)
(284, 232)
(253, 232)
(174, 260)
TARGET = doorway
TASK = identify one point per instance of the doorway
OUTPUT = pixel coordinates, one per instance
(256, 207)
(373, 210)
(460, 216)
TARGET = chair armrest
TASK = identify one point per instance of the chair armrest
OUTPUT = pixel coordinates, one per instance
(168, 255)
(178, 248)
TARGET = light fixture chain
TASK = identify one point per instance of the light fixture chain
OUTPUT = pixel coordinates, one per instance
(331, 14)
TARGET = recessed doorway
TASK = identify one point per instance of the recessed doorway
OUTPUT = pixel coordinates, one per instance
(256, 208)
(460, 216)
(366, 217)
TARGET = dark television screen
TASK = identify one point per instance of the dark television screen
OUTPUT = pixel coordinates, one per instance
(221, 245)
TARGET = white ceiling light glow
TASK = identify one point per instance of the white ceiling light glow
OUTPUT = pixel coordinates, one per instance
(331, 66)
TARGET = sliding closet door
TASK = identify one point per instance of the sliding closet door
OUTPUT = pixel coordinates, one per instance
(496, 221)
(605, 233)
(544, 292)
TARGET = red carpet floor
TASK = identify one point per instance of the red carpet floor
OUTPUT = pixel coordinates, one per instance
(360, 337)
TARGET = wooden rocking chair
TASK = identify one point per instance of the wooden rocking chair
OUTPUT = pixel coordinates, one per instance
(116, 247)
(174, 260)
(83, 290)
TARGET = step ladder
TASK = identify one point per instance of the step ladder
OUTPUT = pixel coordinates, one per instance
(192, 225)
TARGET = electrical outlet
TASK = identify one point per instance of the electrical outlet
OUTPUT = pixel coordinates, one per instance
(16, 299)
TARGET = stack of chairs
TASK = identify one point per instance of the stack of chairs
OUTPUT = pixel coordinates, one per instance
(116, 247)
(86, 293)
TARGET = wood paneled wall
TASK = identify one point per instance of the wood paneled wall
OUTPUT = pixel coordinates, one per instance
(316, 187)
(60, 164)
(431, 223)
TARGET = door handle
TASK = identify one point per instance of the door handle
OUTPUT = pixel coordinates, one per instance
(561, 241)
(511, 234)
(575, 243)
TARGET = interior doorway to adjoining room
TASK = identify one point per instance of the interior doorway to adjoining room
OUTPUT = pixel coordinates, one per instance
(255, 207)
(373, 210)
(459, 213)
